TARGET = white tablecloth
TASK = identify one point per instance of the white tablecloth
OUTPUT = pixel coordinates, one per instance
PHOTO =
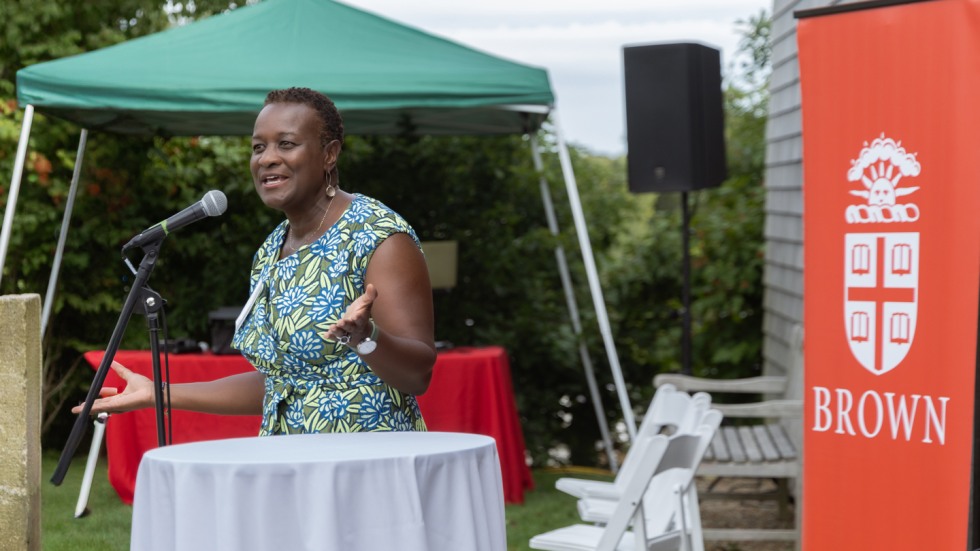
(413, 491)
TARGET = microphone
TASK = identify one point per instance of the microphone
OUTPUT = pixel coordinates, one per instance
(213, 203)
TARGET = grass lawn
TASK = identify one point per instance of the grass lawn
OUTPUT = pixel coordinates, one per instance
(106, 527)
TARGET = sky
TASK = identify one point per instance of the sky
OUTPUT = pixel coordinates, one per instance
(579, 42)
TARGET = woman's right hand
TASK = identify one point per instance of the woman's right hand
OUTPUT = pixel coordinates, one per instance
(137, 394)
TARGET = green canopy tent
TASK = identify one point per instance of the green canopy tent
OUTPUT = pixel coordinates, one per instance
(210, 77)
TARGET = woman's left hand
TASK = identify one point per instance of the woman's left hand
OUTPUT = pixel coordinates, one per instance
(355, 324)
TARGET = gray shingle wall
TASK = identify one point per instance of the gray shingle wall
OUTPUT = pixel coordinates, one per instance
(783, 302)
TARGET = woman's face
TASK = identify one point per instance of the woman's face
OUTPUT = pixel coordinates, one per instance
(288, 163)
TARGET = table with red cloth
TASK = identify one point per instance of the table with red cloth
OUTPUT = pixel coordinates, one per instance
(129, 435)
(471, 391)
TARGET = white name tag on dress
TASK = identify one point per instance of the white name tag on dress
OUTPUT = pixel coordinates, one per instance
(259, 287)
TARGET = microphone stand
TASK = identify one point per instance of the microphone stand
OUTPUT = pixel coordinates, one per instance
(150, 303)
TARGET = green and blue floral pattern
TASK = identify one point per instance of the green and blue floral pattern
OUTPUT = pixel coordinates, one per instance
(312, 384)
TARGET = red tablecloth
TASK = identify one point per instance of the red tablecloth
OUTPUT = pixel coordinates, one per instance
(471, 391)
(129, 435)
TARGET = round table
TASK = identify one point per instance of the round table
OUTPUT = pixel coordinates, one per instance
(412, 491)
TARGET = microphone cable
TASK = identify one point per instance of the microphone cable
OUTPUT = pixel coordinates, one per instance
(168, 419)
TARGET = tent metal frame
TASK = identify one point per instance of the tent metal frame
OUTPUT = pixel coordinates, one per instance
(572, 304)
(15, 178)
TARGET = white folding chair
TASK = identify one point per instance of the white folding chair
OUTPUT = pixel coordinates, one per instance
(653, 455)
(661, 514)
(670, 410)
(674, 410)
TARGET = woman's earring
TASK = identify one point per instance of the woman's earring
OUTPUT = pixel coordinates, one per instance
(331, 190)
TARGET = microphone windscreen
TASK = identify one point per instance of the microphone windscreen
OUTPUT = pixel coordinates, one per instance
(214, 203)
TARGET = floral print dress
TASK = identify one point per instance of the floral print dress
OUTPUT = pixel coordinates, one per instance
(313, 385)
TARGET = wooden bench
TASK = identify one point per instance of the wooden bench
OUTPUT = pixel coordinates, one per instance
(764, 449)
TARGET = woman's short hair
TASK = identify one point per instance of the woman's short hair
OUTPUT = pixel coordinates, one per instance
(331, 123)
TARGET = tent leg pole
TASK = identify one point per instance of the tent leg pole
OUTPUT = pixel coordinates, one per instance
(8, 215)
(566, 283)
(593, 275)
(65, 222)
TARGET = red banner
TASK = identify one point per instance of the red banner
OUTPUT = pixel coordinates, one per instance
(892, 268)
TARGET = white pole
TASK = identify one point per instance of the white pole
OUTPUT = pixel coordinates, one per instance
(593, 276)
(65, 223)
(93, 459)
(566, 283)
(8, 215)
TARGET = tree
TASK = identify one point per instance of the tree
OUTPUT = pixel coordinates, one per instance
(34, 32)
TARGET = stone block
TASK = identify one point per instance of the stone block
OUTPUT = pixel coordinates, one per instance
(20, 422)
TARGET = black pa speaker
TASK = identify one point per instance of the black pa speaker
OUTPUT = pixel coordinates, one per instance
(674, 121)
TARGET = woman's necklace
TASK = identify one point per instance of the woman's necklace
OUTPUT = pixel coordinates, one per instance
(303, 240)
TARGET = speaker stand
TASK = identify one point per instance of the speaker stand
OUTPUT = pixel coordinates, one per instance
(686, 288)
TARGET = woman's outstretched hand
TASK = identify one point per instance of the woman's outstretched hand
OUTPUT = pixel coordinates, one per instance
(138, 394)
(355, 325)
